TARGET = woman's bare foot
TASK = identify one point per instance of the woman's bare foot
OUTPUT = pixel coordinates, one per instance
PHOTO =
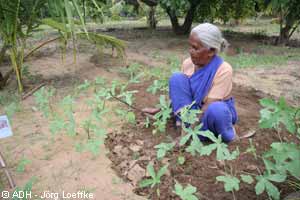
(151, 111)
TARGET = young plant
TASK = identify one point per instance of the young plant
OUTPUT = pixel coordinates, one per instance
(15, 195)
(276, 113)
(187, 193)
(22, 165)
(180, 160)
(188, 115)
(264, 184)
(247, 179)
(163, 148)
(67, 106)
(155, 177)
(42, 99)
(223, 152)
(191, 134)
(162, 116)
(251, 149)
(92, 145)
(129, 116)
(133, 72)
(231, 183)
(283, 158)
(158, 85)
(195, 147)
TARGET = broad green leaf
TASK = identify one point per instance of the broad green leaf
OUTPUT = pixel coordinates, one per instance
(247, 179)
(162, 171)
(260, 185)
(184, 139)
(277, 178)
(272, 190)
(163, 148)
(230, 182)
(151, 171)
(160, 153)
(185, 193)
(146, 183)
(209, 135)
(195, 147)
(207, 149)
(130, 117)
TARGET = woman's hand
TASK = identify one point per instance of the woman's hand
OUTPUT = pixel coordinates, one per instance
(151, 111)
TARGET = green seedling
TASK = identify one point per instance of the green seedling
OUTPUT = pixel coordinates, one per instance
(188, 115)
(15, 195)
(163, 115)
(92, 145)
(133, 72)
(84, 86)
(283, 158)
(252, 149)
(264, 184)
(155, 177)
(187, 193)
(129, 116)
(22, 165)
(194, 147)
(158, 86)
(191, 134)
(231, 183)
(147, 122)
(275, 113)
(247, 179)
(181, 160)
(223, 152)
(163, 148)
(42, 99)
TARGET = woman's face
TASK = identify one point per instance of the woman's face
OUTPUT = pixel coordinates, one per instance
(200, 55)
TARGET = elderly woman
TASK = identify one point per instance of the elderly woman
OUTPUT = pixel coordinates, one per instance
(207, 80)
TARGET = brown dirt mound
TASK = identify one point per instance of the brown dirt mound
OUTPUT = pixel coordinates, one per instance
(133, 148)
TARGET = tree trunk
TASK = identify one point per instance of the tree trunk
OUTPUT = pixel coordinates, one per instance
(284, 35)
(186, 26)
(151, 18)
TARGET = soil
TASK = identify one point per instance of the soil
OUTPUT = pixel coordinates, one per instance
(198, 171)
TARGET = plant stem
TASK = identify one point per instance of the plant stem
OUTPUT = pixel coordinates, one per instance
(130, 106)
(233, 195)
(279, 136)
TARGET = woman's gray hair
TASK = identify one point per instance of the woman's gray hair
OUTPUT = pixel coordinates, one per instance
(210, 36)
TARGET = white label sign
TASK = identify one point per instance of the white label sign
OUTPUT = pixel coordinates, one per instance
(5, 130)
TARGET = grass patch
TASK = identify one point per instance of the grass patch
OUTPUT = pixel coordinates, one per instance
(264, 56)
(244, 60)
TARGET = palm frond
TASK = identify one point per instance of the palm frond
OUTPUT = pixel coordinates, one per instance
(55, 24)
(103, 40)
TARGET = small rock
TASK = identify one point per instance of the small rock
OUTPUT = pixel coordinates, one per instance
(117, 149)
(136, 174)
(125, 151)
(251, 167)
(123, 165)
(135, 148)
(140, 142)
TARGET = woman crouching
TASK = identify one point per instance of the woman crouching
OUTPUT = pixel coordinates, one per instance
(206, 80)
